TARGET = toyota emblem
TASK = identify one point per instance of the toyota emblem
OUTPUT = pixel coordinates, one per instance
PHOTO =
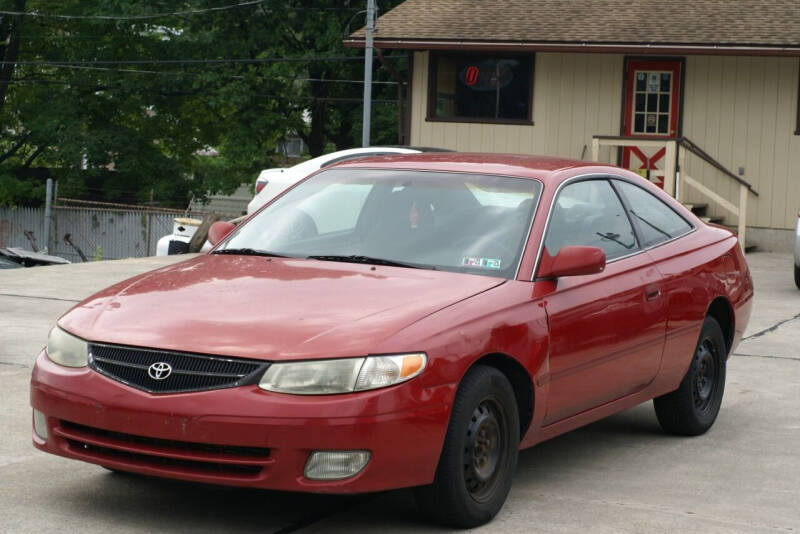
(159, 370)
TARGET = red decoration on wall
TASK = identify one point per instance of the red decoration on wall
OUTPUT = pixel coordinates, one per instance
(471, 76)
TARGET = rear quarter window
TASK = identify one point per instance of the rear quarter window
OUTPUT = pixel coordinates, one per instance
(657, 222)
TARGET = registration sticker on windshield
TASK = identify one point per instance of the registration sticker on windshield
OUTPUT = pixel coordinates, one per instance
(485, 263)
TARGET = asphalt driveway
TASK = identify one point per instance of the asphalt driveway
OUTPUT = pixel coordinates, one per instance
(621, 474)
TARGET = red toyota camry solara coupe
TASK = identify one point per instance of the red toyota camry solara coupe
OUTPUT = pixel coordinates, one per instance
(402, 321)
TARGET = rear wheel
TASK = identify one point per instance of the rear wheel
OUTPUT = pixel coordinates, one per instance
(480, 452)
(691, 409)
(797, 276)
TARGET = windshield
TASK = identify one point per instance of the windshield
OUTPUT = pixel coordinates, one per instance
(435, 220)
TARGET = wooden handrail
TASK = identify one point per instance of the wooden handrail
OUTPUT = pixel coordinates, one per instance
(676, 148)
(689, 145)
(633, 138)
(686, 143)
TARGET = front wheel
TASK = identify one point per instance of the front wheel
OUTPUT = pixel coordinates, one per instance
(480, 452)
(797, 276)
(691, 409)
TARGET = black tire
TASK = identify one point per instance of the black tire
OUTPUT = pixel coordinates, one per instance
(797, 276)
(691, 409)
(479, 455)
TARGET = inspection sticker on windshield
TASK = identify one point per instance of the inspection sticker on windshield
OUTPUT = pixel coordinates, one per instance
(486, 263)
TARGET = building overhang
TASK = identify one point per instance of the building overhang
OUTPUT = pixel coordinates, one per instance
(584, 47)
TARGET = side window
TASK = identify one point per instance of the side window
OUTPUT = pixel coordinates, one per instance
(589, 213)
(657, 221)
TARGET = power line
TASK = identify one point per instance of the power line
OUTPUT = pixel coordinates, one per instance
(132, 17)
(100, 87)
(230, 77)
(167, 14)
(110, 69)
(285, 78)
(190, 73)
(52, 63)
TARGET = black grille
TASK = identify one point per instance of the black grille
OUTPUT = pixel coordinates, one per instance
(189, 372)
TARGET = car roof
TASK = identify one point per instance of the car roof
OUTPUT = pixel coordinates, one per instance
(525, 166)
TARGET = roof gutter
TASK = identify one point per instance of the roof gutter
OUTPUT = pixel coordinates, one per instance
(621, 48)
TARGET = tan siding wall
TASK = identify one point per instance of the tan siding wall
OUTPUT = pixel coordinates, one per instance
(574, 97)
(741, 110)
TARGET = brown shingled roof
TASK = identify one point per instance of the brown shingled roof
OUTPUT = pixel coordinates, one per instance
(767, 24)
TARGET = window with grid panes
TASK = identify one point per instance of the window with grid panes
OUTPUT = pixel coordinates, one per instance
(652, 102)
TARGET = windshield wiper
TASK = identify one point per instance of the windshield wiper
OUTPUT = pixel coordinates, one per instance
(615, 238)
(248, 252)
(367, 259)
(651, 225)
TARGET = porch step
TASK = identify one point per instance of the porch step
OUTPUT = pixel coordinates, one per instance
(701, 210)
(698, 209)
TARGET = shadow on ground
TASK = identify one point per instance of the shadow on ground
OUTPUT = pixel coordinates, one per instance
(174, 505)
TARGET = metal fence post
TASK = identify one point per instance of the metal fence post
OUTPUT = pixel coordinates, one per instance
(148, 229)
(48, 215)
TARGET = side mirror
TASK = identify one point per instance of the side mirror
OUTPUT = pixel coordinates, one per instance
(219, 230)
(574, 261)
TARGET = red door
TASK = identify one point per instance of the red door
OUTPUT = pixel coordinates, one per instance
(652, 105)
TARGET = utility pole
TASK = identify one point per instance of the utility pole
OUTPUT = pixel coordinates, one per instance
(368, 73)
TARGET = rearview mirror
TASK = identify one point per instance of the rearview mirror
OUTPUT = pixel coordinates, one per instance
(574, 261)
(218, 231)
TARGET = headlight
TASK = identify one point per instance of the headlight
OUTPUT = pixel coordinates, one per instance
(66, 349)
(325, 377)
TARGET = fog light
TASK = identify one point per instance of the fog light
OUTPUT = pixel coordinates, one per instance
(335, 465)
(40, 424)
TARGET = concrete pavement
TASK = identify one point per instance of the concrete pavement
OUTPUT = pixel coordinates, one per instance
(621, 474)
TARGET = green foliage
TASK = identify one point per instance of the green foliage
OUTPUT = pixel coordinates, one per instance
(118, 132)
(24, 192)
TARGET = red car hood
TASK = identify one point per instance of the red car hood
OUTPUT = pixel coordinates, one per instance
(274, 309)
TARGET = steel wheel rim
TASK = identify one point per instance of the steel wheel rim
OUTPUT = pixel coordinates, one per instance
(705, 375)
(485, 449)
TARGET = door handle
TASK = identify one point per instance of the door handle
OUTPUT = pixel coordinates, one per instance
(652, 294)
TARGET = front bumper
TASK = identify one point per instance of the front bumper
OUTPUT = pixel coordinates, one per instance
(241, 436)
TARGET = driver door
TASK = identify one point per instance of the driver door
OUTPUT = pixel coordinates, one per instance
(606, 330)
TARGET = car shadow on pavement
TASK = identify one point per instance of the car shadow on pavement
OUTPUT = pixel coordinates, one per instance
(152, 504)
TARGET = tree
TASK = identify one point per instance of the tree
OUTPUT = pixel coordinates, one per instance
(112, 130)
